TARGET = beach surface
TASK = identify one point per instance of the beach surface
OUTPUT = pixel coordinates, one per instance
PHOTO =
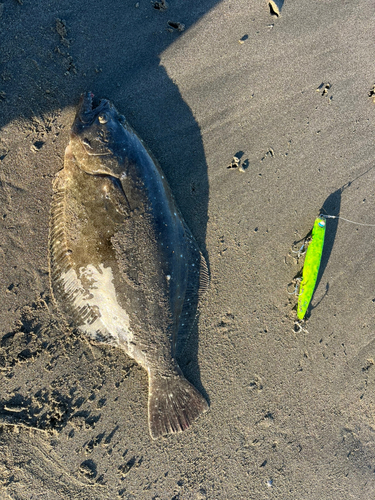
(292, 411)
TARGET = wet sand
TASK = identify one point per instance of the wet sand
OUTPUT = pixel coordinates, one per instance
(292, 414)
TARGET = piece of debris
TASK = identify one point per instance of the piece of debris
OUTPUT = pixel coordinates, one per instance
(2, 95)
(270, 153)
(371, 94)
(243, 39)
(175, 26)
(275, 7)
(160, 5)
(235, 163)
(324, 88)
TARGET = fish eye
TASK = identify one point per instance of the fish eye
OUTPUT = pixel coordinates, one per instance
(103, 118)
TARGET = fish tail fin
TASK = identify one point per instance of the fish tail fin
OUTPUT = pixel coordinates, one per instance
(173, 404)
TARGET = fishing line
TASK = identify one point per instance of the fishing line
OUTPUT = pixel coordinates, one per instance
(347, 220)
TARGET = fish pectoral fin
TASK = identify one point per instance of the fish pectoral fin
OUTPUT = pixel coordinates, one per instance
(173, 404)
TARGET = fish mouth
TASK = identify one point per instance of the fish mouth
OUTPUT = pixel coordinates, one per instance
(89, 108)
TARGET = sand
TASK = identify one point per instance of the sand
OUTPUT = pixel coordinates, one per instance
(292, 414)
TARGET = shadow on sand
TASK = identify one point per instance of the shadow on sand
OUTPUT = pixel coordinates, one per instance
(51, 54)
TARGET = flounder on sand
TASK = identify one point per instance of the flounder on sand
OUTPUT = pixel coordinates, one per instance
(125, 269)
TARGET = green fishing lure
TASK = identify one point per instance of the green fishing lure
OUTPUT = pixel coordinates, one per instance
(311, 266)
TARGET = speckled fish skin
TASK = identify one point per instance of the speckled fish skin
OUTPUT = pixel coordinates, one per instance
(124, 267)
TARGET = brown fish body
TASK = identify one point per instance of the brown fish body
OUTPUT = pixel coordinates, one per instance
(124, 266)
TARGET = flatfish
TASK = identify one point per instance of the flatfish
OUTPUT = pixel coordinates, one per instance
(124, 267)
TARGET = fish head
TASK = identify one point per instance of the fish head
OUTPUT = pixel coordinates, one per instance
(96, 136)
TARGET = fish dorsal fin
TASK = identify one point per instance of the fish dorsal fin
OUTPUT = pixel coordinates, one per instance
(204, 277)
(198, 280)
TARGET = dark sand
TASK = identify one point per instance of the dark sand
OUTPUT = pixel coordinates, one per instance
(292, 415)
